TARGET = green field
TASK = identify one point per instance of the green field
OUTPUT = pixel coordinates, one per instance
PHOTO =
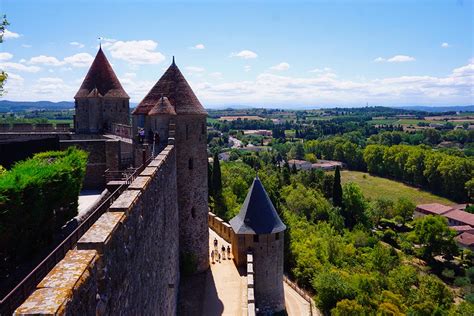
(375, 187)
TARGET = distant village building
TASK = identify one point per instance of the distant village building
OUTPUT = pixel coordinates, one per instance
(300, 164)
(260, 231)
(324, 165)
(259, 132)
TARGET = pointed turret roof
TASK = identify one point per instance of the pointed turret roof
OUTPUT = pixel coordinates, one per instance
(101, 77)
(175, 87)
(257, 215)
(163, 106)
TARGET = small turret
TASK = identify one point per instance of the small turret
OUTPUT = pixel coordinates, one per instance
(101, 100)
(259, 230)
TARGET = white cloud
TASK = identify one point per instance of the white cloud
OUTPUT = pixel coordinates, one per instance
(79, 60)
(194, 69)
(321, 70)
(216, 75)
(245, 54)
(9, 34)
(52, 87)
(395, 59)
(198, 46)
(45, 60)
(5, 56)
(18, 67)
(247, 68)
(400, 59)
(281, 67)
(445, 45)
(326, 89)
(135, 52)
(77, 44)
(50, 80)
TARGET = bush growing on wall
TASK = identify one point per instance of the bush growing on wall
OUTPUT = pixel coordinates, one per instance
(37, 197)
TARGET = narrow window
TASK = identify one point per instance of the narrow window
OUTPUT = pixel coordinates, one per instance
(277, 236)
(203, 128)
(255, 238)
(190, 164)
(193, 212)
(187, 132)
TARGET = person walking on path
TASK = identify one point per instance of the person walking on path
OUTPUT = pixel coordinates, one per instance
(212, 256)
(223, 252)
(215, 244)
(219, 256)
(228, 252)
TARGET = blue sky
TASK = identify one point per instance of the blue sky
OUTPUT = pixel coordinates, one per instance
(260, 53)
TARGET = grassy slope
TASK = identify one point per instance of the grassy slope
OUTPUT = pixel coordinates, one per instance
(374, 187)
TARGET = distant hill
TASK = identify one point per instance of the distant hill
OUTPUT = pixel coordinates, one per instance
(16, 106)
(466, 108)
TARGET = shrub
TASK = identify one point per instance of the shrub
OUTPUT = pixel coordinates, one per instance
(462, 281)
(448, 273)
(37, 197)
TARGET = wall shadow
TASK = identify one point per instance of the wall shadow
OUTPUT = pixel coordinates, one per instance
(198, 296)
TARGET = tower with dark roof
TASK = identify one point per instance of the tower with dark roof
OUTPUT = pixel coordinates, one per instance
(101, 99)
(172, 104)
(259, 230)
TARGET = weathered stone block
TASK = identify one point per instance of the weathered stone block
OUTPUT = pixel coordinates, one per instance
(101, 232)
(149, 171)
(125, 201)
(140, 183)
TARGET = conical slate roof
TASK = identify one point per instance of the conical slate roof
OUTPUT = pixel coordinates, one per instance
(257, 215)
(101, 77)
(175, 87)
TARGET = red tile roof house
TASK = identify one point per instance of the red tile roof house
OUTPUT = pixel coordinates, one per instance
(327, 164)
(466, 240)
(458, 217)
(463, 229)
(431, 209)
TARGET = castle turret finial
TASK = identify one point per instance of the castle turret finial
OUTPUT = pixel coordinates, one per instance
(173, 64)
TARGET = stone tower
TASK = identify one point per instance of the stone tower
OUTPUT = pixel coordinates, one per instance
(101, 100)
(259, 230)
(172, 104)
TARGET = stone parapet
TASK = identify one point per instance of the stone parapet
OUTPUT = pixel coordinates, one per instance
(127, 263)
(222, 228)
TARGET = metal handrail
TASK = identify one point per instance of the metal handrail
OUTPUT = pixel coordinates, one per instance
(307, 297)
(21, 292)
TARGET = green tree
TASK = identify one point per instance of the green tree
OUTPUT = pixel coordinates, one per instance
(354, 205)
(348, 308)
(331, 287)
(219, 202)
(3, 75)
(435, 237)
(337, 188)
(405, 209)
(216, 176)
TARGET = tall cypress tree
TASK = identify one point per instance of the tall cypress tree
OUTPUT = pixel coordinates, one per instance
(216, 176)
(209, 180)
(219, 204)
(337, 188)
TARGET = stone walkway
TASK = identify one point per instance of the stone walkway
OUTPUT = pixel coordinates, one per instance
(225, 292)
(295, 304)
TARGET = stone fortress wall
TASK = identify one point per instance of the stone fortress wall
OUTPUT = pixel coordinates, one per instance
(127, 263)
